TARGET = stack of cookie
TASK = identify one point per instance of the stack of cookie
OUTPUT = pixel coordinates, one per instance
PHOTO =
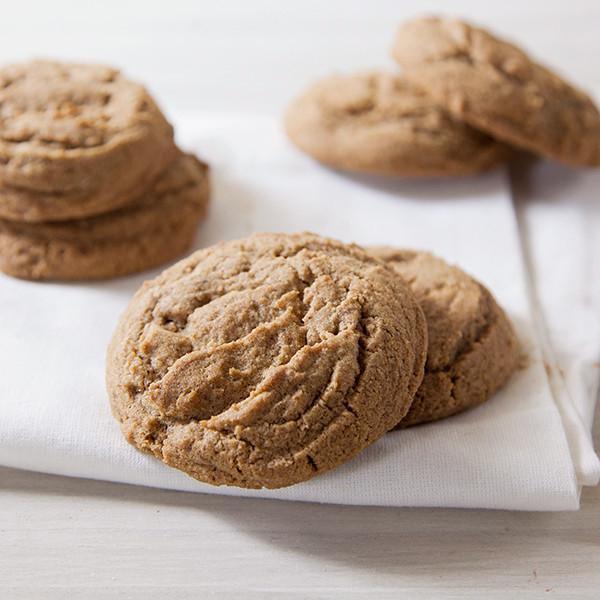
(92, 184)
(265, 361)
(464, 100)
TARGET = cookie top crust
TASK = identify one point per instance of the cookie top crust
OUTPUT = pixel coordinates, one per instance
(380, 123)
(456, 307)
(472, 346)
(55, 106)
(265, 361)
(496, 87)
(76, 140)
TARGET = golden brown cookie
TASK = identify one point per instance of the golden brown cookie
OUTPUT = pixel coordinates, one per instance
(265, 361)
(159, 227)
(76, 141)
(380, 123)
(497, 88)
(472, 346)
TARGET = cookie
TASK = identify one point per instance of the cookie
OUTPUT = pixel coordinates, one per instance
(472, 350)
(497, 88)
(265, 361)
(159, 227)
(76, 141)
(379, 123)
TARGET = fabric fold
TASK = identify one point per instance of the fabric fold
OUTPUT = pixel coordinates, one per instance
(558, 214)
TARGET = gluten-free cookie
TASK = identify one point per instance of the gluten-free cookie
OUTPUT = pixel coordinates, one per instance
(380, 123)
(157, 228)
(265, 361)
(499, 89)
(473, 349)
(76, 140)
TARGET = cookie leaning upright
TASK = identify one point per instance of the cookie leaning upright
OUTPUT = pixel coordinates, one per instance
(472, 350)
(496, 87)
(76, 140)
(380, 123)
(265, 361)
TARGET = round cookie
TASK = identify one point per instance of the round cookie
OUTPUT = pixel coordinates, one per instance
(472, 350)
(76, 141)
(379, 123)
(265, 361)
(159, 227)
(496, 87)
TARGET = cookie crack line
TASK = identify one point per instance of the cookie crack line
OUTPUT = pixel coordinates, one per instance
(319, 392)
(453, 377)
(466, 55)
(179, 327)
(498, 68)
(172, 420)
(300, 290)
(490, 316)
(361, 355)
(468, 346)
(312, 462)
(295, 453)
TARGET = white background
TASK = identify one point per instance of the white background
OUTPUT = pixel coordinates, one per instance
(105, 541)
(236, 55)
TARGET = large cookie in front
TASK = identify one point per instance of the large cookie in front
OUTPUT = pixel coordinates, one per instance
(473, 349)
(497, 88)
(160, 226)
(266, 361)
(76, 141)
(379, 123)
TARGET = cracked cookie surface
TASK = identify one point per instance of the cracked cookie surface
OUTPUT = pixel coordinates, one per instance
(380, 123)
(158, 227)
(472, 346)
(497, 88)
(265, 361)
(76, 140)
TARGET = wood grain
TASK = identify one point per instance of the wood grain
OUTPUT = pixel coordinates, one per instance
(89, 539)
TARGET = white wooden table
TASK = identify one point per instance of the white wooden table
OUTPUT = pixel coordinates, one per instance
(62, 538)
(70, 538)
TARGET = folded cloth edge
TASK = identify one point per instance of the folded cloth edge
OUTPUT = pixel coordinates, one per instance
(579, 437)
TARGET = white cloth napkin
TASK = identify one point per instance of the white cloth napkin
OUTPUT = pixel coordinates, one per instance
(513, 452)
(559, 214)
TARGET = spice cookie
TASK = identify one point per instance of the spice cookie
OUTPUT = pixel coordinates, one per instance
(472, 346)
(497, 88)
(380, 123)
(159, 227)
(76, 141)
(265, 361)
